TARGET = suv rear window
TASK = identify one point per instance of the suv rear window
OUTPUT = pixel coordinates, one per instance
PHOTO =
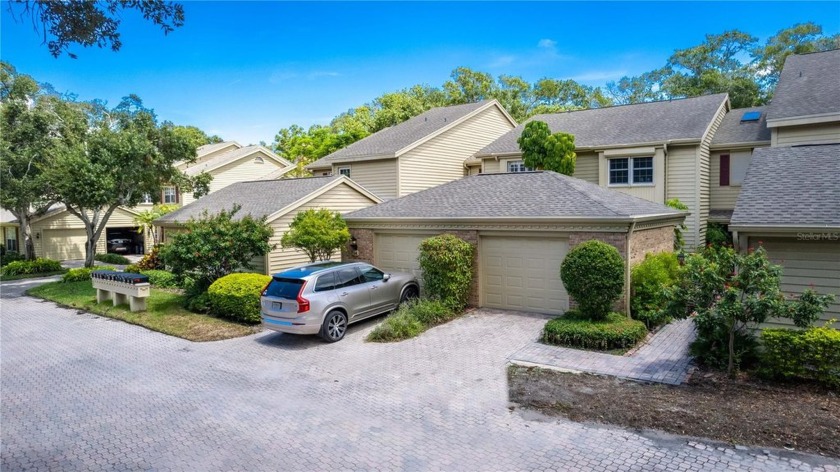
(284, 288)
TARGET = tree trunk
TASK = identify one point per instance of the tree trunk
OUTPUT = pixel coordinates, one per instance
(26, 235)
(90, 246)
(731, 367)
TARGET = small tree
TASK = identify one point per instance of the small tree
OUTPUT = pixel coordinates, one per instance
(543, 150)
(447, 264)
(145, 219)
(318, 233)
(216, 245)
(593, 274)
(679, 240)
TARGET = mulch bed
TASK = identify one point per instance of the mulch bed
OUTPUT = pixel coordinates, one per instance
(743, 411)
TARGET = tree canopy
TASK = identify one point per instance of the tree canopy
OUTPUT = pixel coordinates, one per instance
(91, 22)
(546, 151)
(318, 233)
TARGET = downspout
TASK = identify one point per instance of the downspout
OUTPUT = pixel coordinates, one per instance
(627, 269)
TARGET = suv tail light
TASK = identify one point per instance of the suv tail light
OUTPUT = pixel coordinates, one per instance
(303, 304)
(265, 289)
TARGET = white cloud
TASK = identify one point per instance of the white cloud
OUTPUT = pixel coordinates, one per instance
(599, 75)
(322, 73)
(502, 61)
(546, 43)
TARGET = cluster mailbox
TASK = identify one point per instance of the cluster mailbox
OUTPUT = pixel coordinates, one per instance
(121, 288)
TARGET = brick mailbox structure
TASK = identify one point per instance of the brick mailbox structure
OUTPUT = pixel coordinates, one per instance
(121, 288)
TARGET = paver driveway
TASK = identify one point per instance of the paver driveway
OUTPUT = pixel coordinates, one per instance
(83, 392)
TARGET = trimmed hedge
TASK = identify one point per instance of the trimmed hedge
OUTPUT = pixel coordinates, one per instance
(161, 278)
(237, 296)
(447, 264)
(112, 258)
(411, 319)
(38, 266)
(650, 278)
(82, 273)
(593, 274)
(574, 329)
(810, 354)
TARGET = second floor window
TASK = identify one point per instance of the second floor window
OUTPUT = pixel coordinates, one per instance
(345, 171)
(517, 166)
(170, 195)
(631, 171)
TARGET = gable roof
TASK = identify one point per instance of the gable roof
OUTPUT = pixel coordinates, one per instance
(642, 123)
(7, 217)
(213, 147)
(734, 131)
(232, 156)
(260, 198)
(791, 186)
(808, 87)
(540, 194)
(395, 140)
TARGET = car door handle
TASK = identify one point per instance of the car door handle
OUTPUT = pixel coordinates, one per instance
(374, 287)
(344, 294)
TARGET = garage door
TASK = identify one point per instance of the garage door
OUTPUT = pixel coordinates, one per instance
(398, 252)
(806, 264)
(64, 244)
(523, 274)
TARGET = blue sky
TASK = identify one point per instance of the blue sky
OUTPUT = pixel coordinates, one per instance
(243, 70)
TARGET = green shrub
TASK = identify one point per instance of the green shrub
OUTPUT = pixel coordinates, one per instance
(447, 264)
(402, 324)
(237, 296)
(593, 274)
(575, 329)
(810, 354)
(197, 302)
(133, 268)
(10, 256)
(431, 312)
(718, 234)
(161, 278)
(82, 273)
(650, 280)
(111, 258)
(38, 266)
(679, 239)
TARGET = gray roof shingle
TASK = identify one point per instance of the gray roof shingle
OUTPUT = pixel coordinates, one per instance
(390, 140)
(809, 85)
(516, 195)
(732, 130)
(640, 123)
(258, 198)
(791, 186)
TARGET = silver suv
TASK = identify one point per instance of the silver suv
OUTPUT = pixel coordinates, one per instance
(324, 298)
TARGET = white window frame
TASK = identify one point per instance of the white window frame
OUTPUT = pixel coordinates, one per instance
(517, 166)
(342, 169)
(147, 199)
(170, 192)
(630, 168)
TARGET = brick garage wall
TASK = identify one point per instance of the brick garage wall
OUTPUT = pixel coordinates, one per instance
(650, 241)
(366, 240)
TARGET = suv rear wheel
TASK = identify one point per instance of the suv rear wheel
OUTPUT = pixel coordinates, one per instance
(334, 327)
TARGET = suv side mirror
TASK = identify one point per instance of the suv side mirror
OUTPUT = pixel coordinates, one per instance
(385, 277)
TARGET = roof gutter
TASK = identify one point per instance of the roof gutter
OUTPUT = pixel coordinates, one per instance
(520, 220)
(602, 147)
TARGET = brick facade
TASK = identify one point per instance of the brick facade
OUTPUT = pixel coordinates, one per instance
(652, 240)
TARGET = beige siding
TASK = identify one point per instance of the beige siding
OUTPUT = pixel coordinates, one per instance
(681, 183)
(806, 264)
(66, 223)
(655, 192)
(473, 170)
(210, 155)
(491, 166)
(341, 198)
(722, 198)
(243, 170)
(441, 159)
(586, 167)
(822, 133)
(379, 177)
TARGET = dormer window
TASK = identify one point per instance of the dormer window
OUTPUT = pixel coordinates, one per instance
(517, 166)
(345, 171)
(631, 171)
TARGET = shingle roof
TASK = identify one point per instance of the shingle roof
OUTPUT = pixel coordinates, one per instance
(223, 159)
(208, 148)
(808, 85)
(732, 130)
(791, 186)
(390, 140)
(7, 217)
(516, 195)
(258, 198)
(626, 124)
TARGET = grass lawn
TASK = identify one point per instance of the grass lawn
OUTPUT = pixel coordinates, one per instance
(164, 312)
(7, 278)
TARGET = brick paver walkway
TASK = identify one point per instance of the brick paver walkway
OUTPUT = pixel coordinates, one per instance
(663, 359)
(81, 392)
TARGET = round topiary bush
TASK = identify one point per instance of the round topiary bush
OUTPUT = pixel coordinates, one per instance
(447, 263)
(237, 296)
(593, 274)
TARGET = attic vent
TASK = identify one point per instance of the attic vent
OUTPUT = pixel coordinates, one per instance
(750, 116)
(258, 160)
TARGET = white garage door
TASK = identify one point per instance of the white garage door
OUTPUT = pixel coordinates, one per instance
(64, 244)
(523, 274)
(806, 264)
(398, 252)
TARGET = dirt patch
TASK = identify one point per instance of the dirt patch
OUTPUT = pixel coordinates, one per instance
(740, 411)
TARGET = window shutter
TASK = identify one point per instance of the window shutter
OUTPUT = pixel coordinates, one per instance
(724, 170)
(178, 194)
